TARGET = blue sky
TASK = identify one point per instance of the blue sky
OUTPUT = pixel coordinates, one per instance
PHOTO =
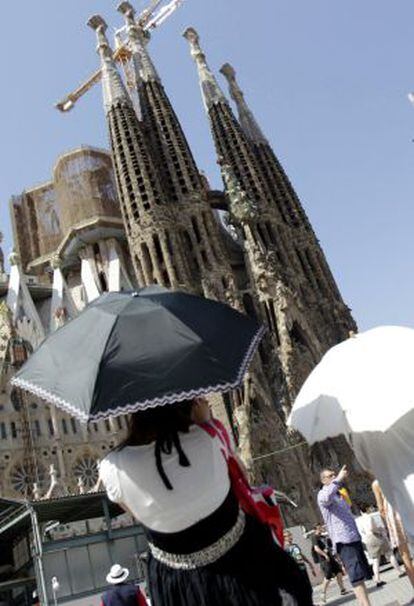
(328, 82)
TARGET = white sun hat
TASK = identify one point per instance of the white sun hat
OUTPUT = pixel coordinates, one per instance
(117, 574)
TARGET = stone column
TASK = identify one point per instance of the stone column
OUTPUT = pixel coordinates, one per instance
(148, 271)
(168, 261)
(139, 271)
(88, 274)
(155, 262)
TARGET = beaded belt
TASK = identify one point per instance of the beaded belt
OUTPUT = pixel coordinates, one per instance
(208, 555)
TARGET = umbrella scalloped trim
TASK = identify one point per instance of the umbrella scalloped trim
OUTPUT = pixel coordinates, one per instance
(66, 406)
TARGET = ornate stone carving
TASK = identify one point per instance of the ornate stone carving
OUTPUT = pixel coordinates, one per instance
(55, 261)
(14, 258)
(241, 208)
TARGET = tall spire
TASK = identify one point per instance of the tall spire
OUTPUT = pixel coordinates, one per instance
(138, 39)
(232, 145)
(138, 182)
(210, 88)
(112, 85)
(246, 118)
(178, 170)
(283, 193)
(172, 247)
(279, 184)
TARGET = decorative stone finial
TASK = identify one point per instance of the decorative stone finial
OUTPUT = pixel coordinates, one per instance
(211, 91)
(36, 492)
(97, 23)
(126, 9)
(246, 117)
(14, 258)
(53, 473)
(191, 34)
(112, 85)
(55, 261)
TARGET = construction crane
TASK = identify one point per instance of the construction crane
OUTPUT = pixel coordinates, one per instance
(148, 20)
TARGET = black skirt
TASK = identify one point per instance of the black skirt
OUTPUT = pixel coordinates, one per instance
(252, 573)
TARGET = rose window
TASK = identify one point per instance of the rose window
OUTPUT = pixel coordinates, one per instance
(86, 469)
(23, 477)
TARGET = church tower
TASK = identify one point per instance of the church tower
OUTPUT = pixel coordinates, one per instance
(173, 235)
(284, 194)
(298, 297)
(181, 177)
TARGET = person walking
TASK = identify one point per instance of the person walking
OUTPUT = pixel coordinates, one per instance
(376, 541)
(396, 531)
(172, 475)
(323, 555)
(122, 593)
(297, 554)
(343, 532)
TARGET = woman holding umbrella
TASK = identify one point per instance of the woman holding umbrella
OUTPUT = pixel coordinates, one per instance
(172, 477)
(155, 354)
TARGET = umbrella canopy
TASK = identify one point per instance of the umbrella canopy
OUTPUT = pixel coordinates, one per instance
(131, 351)
(364, 384)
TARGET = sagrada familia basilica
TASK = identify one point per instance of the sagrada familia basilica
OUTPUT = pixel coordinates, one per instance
(144, 213)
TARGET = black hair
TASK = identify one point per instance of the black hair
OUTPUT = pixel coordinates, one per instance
(161, 425)
(148, 425)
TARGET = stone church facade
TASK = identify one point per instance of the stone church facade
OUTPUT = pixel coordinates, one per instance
(145, 214)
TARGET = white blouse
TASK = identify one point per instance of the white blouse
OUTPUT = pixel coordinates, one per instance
(130, 477)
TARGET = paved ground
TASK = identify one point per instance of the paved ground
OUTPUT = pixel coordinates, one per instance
(395, 592)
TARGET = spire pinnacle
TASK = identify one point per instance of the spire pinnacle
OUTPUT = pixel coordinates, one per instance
(246, 117)
(209, 86)
(128, 11)
(138, 38)
(112, 85)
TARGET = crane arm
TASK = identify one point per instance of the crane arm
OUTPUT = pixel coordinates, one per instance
(163, 14)
(146, 14)
(68, 102)
(147, 20)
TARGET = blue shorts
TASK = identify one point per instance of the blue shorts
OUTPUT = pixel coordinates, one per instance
(355, 562)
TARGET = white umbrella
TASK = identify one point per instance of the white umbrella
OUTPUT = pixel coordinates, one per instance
(364, 388)
(365, 383)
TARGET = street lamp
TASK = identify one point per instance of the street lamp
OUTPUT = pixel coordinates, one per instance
(55, 589)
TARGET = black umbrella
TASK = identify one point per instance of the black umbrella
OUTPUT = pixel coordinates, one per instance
(131, 351)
